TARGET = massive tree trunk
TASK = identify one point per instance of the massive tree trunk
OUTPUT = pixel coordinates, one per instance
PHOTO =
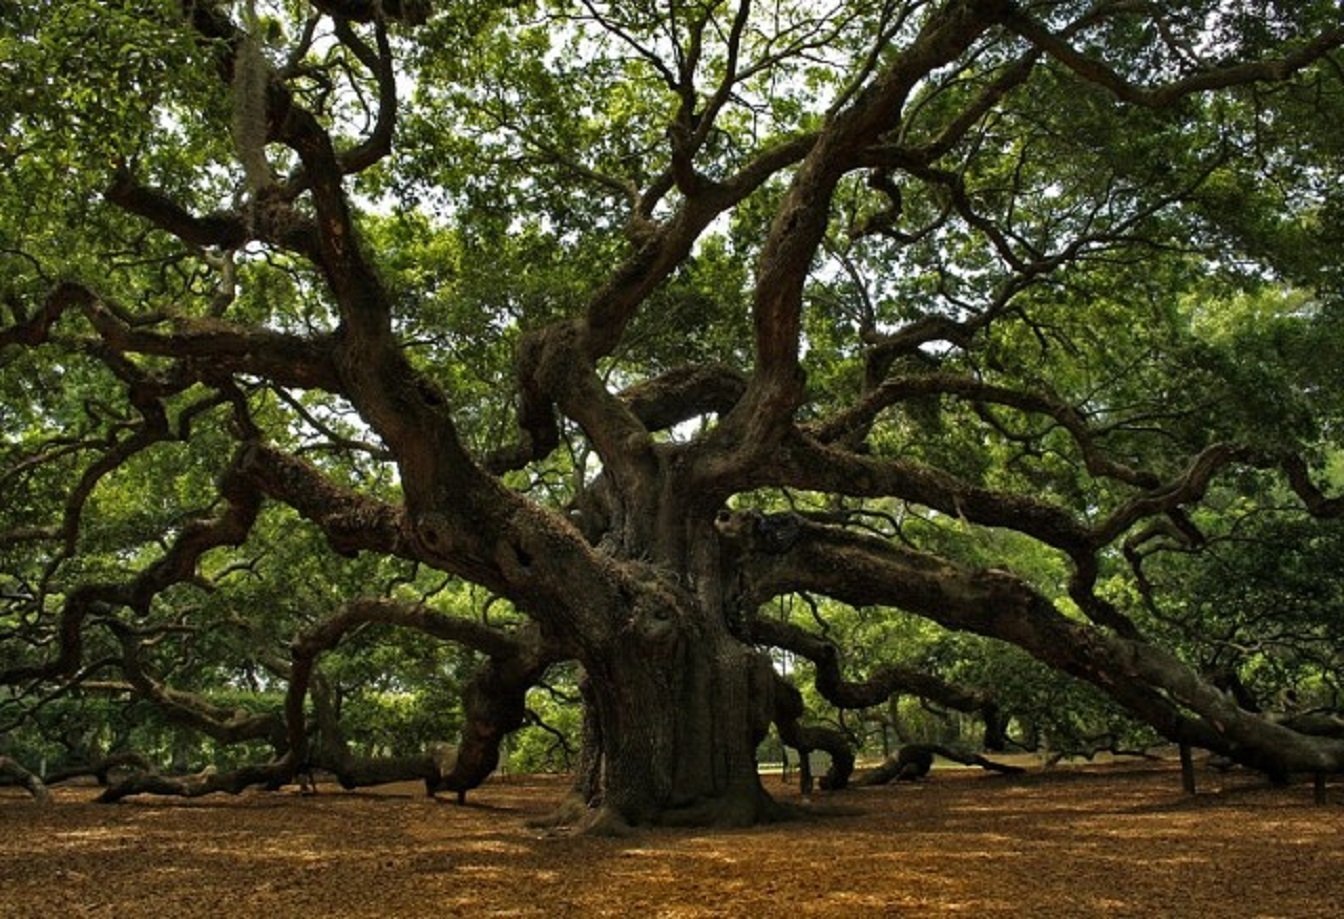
(676, 701)
(680, 707)
(677, 705)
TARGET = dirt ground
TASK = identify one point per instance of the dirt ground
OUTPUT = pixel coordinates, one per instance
(1115, 840)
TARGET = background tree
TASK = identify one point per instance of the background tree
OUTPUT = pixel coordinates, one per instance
(584, 332)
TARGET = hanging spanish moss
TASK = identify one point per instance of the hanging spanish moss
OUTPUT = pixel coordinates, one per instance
(251, 74)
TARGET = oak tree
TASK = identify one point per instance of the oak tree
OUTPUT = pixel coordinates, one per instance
(579, 333)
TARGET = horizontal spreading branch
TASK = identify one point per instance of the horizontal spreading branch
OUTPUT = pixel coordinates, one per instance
(1098, 72)
(493, 704)
(913, 761)
(101, 769)
(178, 565)
(226, 725)
(208, 782)
(897, 389)
(205, 350)
(685, 393)
(809, 464)
(1149, 681)
(223, 229)
(884, 682)
(351, 521)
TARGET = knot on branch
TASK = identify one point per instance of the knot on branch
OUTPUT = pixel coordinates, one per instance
(434, 531)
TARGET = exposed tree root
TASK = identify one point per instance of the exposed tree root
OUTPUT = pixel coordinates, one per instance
(574, 815)
(724, 812)
(570, 812)
(606, 822)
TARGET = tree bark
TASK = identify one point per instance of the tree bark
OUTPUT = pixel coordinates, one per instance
(675, 705)
(1187, 770)
(679, 708)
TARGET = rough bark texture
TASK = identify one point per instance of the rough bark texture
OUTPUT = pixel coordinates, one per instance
(680, 723)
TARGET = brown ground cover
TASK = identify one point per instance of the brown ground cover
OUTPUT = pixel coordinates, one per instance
(1115, 840)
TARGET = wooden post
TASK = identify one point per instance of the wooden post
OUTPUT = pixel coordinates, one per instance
(1187, 770)
(1319, 796)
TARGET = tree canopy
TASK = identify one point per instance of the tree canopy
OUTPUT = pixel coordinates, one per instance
(385, 372)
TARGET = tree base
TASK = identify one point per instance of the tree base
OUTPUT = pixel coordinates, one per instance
(573, 816)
